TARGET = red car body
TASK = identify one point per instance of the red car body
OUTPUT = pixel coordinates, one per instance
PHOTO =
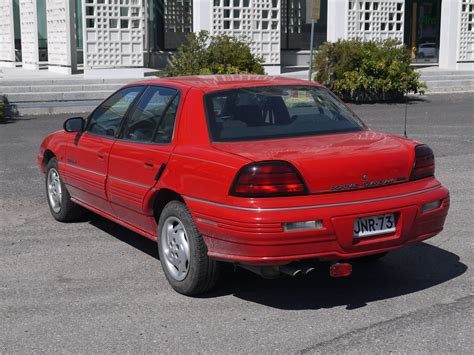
(118, 179)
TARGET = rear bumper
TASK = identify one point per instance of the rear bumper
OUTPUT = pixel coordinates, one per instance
(255, 235)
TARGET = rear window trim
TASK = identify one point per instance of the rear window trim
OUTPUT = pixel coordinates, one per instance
(267, 138)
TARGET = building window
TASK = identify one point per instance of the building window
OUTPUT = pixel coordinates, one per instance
(169, 22)
(296, 25)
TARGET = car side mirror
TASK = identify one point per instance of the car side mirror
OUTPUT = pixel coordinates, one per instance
(74, 124)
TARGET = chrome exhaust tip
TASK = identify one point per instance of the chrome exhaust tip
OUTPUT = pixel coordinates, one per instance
(296, 269)
(290, 270)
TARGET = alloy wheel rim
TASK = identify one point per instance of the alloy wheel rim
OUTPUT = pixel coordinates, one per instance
(54, 190)
(175, 246)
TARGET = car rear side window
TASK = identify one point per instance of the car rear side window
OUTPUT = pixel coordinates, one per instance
(152, 110)
(106, 119)
(277, 112)
(164, 133)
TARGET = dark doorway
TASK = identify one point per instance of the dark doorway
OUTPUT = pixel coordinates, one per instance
(422, 28)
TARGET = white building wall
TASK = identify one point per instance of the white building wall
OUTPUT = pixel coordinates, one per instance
(7, 34)
(61, 38)
(113, 36)
(29, 34)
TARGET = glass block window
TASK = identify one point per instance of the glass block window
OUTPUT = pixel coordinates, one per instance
(466, 33)
(376, 19)
(113, 33)
(296, 25)
(258, 20)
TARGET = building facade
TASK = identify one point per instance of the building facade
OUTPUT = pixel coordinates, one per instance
(113, 36)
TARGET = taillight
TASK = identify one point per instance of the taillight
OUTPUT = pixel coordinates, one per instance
(269, 178)
(424, 163)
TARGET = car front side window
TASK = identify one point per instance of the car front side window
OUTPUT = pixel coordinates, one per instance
(150, 111)
(106, 119)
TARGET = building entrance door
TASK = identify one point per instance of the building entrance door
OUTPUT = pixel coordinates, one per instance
(423, 25)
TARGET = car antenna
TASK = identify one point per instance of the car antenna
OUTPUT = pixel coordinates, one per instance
(406, 114)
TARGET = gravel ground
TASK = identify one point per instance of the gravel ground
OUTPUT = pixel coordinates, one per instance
(95, 287)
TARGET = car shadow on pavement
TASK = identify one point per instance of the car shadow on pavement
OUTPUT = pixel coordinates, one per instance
(404, 271)
(123, 234)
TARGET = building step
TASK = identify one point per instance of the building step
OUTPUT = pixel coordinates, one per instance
(446, 72)
(50, 108)
(451, 90)
(71, 81)
(447, 77)
(6, 90)
(15, 98)
(440, 84)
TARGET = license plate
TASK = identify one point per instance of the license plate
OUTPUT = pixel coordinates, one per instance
(374, 225)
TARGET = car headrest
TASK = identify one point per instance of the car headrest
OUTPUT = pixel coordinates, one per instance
(250, 114)
(280, 111)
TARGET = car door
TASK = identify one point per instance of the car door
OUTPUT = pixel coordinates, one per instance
(140, 154)
(87, 158)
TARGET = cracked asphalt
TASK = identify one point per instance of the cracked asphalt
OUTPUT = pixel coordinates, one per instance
(95, 287)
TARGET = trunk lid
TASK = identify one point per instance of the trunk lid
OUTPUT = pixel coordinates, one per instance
(337, 162)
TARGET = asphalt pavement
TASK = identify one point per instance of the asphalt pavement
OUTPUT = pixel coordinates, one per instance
(95, 287)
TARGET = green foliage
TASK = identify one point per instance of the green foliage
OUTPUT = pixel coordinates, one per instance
(367, 70)
(205, 54)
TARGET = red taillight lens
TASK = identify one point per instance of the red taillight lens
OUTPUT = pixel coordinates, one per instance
(424, 163)
(274, 178)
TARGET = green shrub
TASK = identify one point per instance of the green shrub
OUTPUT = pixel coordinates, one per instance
(367, 70)
(205, 54)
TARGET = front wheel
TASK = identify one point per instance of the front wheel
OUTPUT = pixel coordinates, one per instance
(183, 253)
(59, 200)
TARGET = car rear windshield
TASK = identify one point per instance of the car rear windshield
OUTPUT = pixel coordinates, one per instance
(273, 112)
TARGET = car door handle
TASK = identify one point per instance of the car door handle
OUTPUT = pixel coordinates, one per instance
(148, 164)
(101, 156)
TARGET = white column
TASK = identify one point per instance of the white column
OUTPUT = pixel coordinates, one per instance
(448, 44)
(337, 20)
(113, 38)
(202, 15)
(456, 47)
(62, 56)
(29, 34)
(7, 34)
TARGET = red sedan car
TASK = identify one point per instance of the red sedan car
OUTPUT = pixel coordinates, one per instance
(272, 174)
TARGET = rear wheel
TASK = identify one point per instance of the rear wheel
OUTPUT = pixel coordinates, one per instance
(183, 253)
(59, 200)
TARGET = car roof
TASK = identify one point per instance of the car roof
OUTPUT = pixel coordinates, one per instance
(223, 82)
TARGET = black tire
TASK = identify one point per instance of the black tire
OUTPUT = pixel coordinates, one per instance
(202, 272)
(371, 258)
(68, 210)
